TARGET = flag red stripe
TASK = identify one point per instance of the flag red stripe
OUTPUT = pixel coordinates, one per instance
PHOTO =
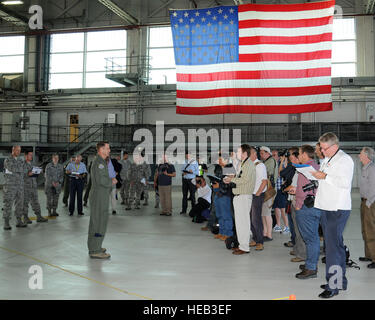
(303, 56)
(255, 109)
(301, 23)
(253, 92)
(285, 40)
(286, 7)
(265, 74)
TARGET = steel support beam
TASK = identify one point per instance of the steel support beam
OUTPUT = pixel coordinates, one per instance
(120, 12)
(161, 8)
(68, 9)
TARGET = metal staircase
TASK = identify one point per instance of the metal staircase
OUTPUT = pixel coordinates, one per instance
(85, 140)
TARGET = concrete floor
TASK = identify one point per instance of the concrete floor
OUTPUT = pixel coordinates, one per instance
(159, 257)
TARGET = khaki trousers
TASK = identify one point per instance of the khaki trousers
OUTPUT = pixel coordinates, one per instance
(242, 206)
(165, 194)
(368, 229)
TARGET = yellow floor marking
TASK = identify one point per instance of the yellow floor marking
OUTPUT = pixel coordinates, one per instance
(75, 274)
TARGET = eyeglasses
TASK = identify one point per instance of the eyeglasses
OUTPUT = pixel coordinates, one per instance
(325, 149)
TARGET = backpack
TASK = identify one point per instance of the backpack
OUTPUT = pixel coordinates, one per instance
(231, 242)
(349, 263)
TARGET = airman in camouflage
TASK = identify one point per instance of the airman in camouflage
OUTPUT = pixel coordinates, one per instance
(14, 170)
(139, 173)
(31, 191)
(54, 175)
(124, 174)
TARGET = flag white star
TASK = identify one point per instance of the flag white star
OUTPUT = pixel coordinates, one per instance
(186, 14)
(192, 20)
(181, 20)
(225, 17)
(175, 14)
(197, 14)
(220, 11)
(208, 12)
(214, 18)
(203, 19)
(231, 10)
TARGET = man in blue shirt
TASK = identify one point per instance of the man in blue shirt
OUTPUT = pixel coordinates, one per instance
(189, 171)
(77, 173)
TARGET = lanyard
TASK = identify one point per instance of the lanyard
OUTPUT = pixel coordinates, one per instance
(326, 164)
(76, 167)
(244, 162)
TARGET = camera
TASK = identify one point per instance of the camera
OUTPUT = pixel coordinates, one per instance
(163, 167)
(310, 186)
(284, 153)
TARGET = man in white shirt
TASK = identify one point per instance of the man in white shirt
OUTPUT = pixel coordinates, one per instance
(257, 203)
(204, 199)
(333, 198)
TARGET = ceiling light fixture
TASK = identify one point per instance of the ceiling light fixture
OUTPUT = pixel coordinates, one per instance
(11, 2)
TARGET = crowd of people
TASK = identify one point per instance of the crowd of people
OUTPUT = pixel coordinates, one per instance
(307, 188)
(245, 188)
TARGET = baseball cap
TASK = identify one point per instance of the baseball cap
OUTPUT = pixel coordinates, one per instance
(266, 149)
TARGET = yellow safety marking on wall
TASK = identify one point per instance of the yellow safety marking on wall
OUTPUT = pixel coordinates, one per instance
(76, 274)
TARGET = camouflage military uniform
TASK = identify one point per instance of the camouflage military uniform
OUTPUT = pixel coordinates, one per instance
(53, 174)
(31, 195)
(13, 188)
(136, 174)
(125, 184)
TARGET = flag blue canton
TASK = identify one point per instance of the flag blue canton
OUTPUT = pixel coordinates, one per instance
(205, 36)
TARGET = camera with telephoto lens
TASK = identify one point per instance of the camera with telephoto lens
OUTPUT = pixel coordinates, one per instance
(284, 153)
(309, 201)
(310, 186)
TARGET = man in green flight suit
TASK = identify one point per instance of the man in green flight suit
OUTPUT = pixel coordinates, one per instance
(99, 202)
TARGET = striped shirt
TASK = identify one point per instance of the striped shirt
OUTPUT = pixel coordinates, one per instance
(245, 178)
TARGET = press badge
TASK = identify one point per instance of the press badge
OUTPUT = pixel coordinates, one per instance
(101, 166)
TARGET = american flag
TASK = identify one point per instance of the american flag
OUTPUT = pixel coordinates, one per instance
(253, 58)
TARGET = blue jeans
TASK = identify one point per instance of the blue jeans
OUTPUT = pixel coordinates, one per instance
(291, 227)
(224, 215)
(333, 225)
(308, 225)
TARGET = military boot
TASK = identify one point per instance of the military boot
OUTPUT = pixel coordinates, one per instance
(20, 224)
(27, 220)
(7, 225)
(39, 218)
(101, 255)
(146, 202)
(54, 213)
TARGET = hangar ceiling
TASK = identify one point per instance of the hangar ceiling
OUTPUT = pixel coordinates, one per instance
(71, 14)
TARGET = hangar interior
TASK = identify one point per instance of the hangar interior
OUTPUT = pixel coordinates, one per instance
(101, 70)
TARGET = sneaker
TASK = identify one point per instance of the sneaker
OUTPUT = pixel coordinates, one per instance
(277, 229)
(286, 230)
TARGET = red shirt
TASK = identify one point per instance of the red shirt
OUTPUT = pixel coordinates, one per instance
(302, 181)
